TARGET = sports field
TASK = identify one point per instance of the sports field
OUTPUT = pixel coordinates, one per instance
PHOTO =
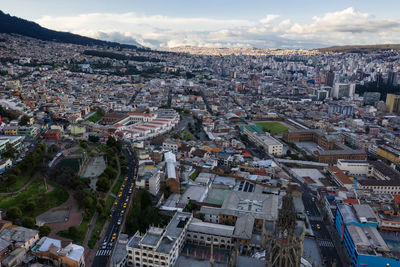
(273, 127)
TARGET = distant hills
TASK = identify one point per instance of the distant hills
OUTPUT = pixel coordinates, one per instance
(11, 24)
(360, 48)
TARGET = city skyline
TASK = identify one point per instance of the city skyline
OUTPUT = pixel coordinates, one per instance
(223, 24)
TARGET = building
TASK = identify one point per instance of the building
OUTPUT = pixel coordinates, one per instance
(341, 90)
(371, 98)
(172, 177)
(170, 145)
(237, 204)
(330, 78)
(357, 229)
(52, 250)
(20, 237)
(77, 129)
(5, 164)
(148, 177)
(393, 103)
(346, 110)
(339, 177)
(266, 141)
(53, 135)
(119, 256)
(389, 153)
(10, 130)
(392, 78)
(355, 167)
(203, 233)
(14, 141)
(331, 148)
(159, 246)
(332, 156)
(283, 241)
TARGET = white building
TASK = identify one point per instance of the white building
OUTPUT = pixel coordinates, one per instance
(203, 233)
(355, 167)
(340, 90)
(158, 246)
(266, 141)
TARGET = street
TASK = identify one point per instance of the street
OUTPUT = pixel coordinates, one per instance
(322, 237)
(119, 212)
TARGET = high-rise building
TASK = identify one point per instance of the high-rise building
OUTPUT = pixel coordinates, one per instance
(371, 98)
(346, 110)
(393, 103)
(330, 78)
(341, 90)
(392, 78)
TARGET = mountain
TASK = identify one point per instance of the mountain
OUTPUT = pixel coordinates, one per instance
(11, 24)
(360, 48)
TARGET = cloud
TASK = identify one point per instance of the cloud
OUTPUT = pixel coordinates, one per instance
(347, 26)
(269, 18)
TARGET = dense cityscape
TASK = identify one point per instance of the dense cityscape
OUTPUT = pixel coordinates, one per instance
(198, 156)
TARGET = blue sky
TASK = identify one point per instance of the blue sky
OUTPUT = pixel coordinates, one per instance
(219, 23)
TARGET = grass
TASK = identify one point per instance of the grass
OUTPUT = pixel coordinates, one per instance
(95, 117)
(101, 220)
(82, 228)
(71, 163)
(117, 185)
(273, 127)
(21, 181)
(36, 193)
(194, 175)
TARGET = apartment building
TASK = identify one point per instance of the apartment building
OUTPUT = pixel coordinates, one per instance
(159, 246)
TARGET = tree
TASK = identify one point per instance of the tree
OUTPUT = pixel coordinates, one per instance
(28, 222)
(44, 230)
(9, 151)
(83, 144)
(88, 202)
(24, 120)
(53, 149)
(103, 184)
(14, 213)
(94, 138)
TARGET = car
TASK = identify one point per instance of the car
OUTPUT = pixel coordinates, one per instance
(119, 222)
(318, 226)
(114, 236)
(130, 191)
(124, 206)
(126, 179)
(122, 211)
(104, 245)
(116, 203)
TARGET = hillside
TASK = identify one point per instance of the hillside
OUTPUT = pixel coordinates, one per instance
(11, 24)
(360, 48)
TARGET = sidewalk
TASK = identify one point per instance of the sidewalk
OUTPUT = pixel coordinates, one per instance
(94, 218)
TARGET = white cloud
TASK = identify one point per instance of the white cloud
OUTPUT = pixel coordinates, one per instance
(347, 26)
(269, 18)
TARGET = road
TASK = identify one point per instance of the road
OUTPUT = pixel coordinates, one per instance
(323, 239)
(105, 250)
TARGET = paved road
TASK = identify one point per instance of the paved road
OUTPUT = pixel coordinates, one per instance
(103, 253)
(324, 241)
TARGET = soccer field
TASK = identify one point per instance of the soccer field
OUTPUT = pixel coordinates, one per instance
(273, 127)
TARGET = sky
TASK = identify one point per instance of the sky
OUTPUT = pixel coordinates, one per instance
(161, 24)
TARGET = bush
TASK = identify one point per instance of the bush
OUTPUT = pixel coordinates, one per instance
(14, 213)
(44, 230)
(28, 222)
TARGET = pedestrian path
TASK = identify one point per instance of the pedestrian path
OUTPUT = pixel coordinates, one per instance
(326, 243)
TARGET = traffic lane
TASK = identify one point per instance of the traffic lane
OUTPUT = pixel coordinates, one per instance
(325, 243)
